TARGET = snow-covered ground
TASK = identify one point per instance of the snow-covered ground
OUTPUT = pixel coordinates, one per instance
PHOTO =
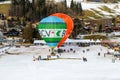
(5, 2)
(22, 66)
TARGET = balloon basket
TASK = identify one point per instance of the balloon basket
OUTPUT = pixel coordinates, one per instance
(52, 54)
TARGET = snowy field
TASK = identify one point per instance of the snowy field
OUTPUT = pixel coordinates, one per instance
(22, 66)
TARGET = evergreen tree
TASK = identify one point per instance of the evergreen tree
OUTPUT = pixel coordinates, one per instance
(33, 2)
(36, 34)
(28, 33)
(77, 28)
(72, 4)
(100, 28)
(22, 4)
(14, 2)
(80, 10)
(40, 8)
(65, 3)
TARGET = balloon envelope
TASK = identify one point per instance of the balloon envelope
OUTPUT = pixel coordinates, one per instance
(52, 29)
(70, 26)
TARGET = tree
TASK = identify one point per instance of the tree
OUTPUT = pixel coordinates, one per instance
(80, 10)
(72, 4)
(73, 7)
(77, 28)
(33, 2)
(39, 9)
(61, 7)
(100, 28)
(28, 33)
(22, 4)
(65, 3)
(36, 34)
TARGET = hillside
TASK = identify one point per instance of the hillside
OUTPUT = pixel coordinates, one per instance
(92, 10)
(4, 8)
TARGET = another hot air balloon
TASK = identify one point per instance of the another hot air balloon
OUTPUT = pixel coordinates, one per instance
(52, 29)
(70, 26)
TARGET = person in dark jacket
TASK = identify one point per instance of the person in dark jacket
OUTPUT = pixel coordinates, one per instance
(84, 59)
(99, 54)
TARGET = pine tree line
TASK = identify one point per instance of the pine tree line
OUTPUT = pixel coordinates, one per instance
(38, 9)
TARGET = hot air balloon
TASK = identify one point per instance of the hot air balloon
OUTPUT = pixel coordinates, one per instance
(52, 29)
(70, 26)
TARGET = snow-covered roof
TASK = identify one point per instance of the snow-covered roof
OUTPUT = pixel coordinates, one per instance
(83, 40)
(115, 40)
(39, 41)
(115, 33)
(111, 41)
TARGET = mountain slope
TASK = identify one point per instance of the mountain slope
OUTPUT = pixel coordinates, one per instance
(94, 10)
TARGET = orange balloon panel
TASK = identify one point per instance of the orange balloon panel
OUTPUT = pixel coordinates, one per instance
(70, 26)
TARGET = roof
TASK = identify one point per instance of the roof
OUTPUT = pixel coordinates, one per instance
(83, 40)
(39, 41)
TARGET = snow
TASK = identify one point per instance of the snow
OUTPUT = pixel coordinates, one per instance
(5, 2)
(22, 66)
(39, 41)
(19, 65)
(2, 50)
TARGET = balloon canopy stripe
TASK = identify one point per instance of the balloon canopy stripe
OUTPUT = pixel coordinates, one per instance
(52, 19)
(52, 40)
(52, 22)
(52, 44)
(52, 26)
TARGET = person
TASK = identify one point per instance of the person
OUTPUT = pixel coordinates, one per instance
(48, 57)
(39, 57)
(58, 56)
(88, 49)
(108, 52)
(68, 51)
(64, 50)
(74, 51)
(49, 50)
(113, 60)
(84, 59)
(34, 58)
(99, 54)
(83, 51)
(71, 49)
(104, 54)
